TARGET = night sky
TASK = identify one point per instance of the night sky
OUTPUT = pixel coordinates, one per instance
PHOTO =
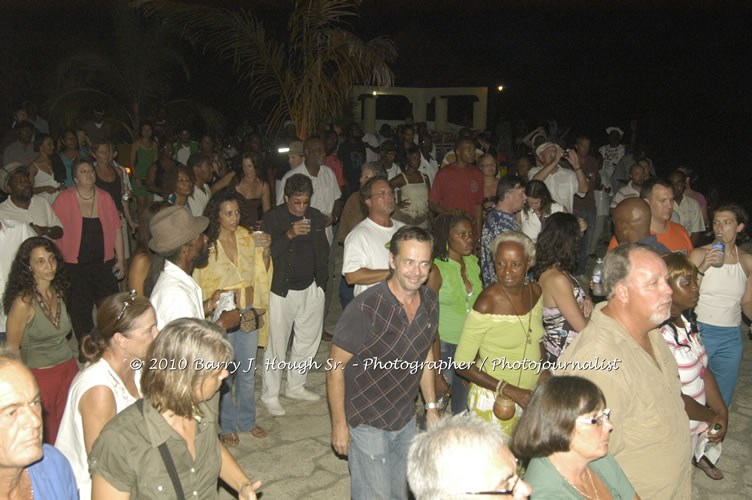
(682, 72)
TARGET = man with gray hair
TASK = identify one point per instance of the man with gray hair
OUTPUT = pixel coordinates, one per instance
(622, 351)
(462, 456)
(30, 469)
(510, 195)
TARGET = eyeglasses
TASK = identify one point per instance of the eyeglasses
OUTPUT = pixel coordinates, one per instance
(606, 415)
(509, 485)
(128, 301)
(509, 488)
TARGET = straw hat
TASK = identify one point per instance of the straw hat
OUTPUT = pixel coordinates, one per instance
(173, 227)
(7, 172)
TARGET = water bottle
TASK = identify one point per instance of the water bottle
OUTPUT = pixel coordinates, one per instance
(596, 282)
(720, 245)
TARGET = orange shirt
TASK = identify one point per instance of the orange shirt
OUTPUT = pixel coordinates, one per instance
(675, 238)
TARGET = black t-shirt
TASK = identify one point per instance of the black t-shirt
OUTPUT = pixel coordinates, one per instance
(301, 270)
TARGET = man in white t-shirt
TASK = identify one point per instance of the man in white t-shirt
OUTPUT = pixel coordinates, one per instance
(366, 259)
(562, 183)
(201, 166)
(23, 206)
(428, 164)
(374, 141)
(687, 208)
(612, 153)
(327, 197)
(637, 175)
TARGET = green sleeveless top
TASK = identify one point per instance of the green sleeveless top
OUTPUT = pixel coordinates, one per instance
(454, 301)
(43, 345)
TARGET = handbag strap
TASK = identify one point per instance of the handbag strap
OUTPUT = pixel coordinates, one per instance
(167, 459)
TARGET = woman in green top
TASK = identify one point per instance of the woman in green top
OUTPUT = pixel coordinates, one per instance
(166, 444)
(143, 154)
(38, 324)
(563, 438)
(499, 350)
(455, 276)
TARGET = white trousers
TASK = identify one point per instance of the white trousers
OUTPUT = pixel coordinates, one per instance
(305, 310)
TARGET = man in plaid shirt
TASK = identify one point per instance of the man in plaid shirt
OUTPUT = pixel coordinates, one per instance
(380, 356)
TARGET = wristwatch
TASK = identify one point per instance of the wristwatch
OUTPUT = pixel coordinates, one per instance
(432, 406)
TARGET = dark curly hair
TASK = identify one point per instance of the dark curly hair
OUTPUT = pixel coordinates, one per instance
(442, 226)
(557, 244)
(212, 212)
(21, 278)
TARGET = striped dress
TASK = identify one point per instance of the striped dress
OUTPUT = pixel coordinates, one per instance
(692, 359)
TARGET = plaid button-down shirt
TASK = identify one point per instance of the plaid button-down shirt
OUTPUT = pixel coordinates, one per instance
(383, 376)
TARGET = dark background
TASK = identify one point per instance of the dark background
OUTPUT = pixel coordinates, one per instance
(681, 69)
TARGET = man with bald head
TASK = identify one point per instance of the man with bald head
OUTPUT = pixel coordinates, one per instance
(327, 197)
(659, 196)
(632, 224)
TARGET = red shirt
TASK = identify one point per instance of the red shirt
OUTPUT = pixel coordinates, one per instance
(333, 162)
(458, 187)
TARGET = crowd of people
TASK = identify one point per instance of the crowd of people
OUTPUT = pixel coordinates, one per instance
(133, 331)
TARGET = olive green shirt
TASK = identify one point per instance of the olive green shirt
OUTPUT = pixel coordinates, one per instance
(126, 455)
(43, 345)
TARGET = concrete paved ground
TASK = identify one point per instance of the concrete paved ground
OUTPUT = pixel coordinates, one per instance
(295, 460)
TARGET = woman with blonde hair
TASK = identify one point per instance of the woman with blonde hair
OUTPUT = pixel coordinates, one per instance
(167, 441)
(108, 384)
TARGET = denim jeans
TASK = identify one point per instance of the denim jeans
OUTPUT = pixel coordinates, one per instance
(240, 415)
(346, 292)
(459, 389)
(724, 347)
(586, 241)
(378, 462)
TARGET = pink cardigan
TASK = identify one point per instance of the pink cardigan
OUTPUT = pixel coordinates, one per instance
(68, 211)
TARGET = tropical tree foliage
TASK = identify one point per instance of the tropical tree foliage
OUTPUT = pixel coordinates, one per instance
(306, 78)
(128, 74)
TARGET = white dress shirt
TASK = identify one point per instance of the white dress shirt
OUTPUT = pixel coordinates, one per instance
(176, 295)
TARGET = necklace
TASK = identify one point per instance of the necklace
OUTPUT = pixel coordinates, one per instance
(590, 478)
(85, 198)
(528, 333)
(47, 308)
(93, 203)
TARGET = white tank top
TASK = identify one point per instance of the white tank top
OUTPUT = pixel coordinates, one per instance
(70, 437)
(43, 179)
(721, 293)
